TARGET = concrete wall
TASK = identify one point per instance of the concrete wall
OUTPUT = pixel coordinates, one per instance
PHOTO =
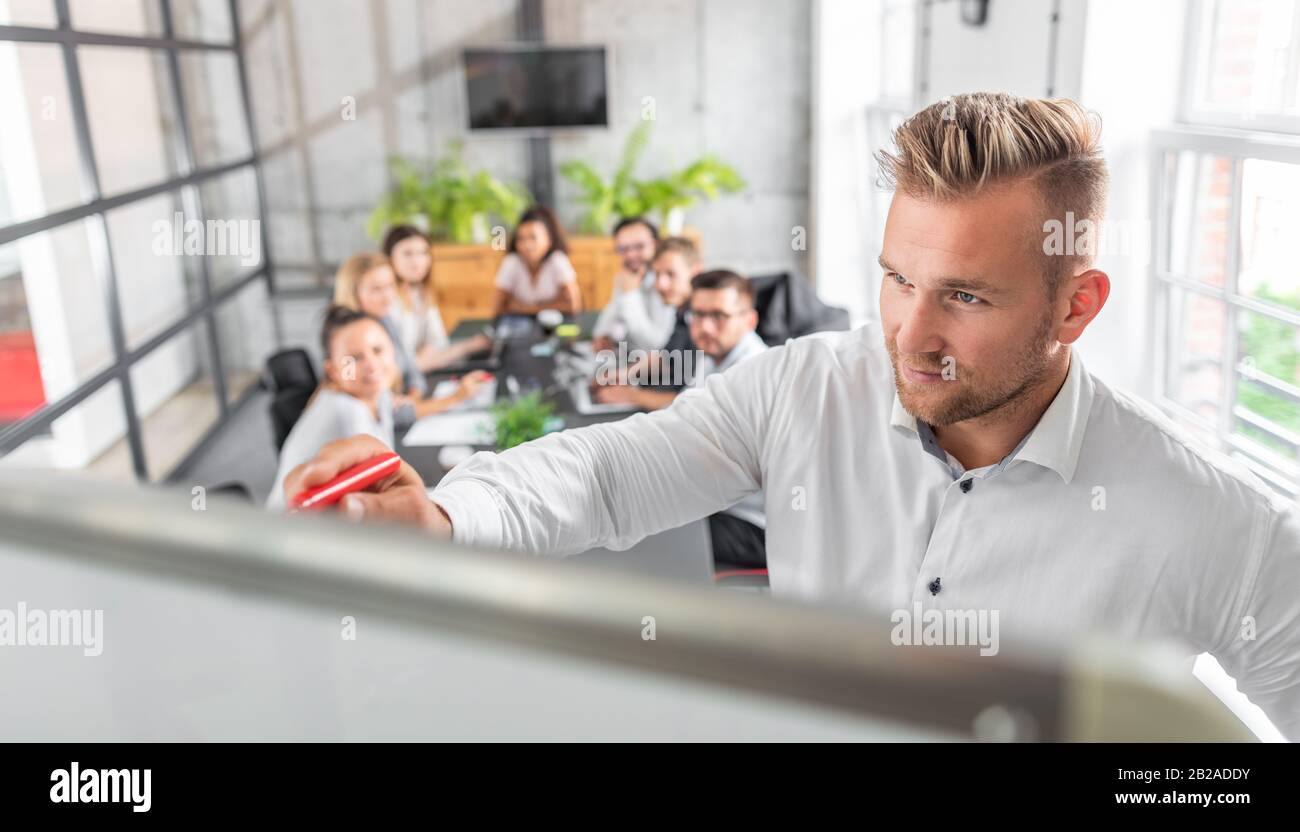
(727, 76)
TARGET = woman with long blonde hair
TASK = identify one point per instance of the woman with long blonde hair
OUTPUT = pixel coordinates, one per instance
(365, 282)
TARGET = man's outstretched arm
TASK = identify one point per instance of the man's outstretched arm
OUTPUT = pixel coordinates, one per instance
(613, 484)
(604, 485)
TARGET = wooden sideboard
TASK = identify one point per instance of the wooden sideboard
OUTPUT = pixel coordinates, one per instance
(464, 276)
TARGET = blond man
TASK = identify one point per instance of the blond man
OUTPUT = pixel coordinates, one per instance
(956, 456)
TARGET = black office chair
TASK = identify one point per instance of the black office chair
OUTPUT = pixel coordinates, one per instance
(287, 407)
(788, 307)
(291, 379)
(290, 368)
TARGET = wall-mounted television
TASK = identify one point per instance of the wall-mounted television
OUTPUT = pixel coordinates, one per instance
(535, 87)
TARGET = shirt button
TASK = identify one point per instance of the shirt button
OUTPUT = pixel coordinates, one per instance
(966, 486)
(935, 586)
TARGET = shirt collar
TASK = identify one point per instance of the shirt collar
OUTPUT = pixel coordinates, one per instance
(1057, 439)
(749, 344)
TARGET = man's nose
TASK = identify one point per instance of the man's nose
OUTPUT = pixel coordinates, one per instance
(920, 329)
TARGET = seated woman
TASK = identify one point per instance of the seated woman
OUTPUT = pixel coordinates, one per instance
(365, 283)
(419, 323)
(537, 274)
(355, 397)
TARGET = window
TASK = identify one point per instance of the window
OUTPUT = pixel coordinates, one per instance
(134, 311)
(1226, 206)
(1228, 294)
(1244, 64)
(28, 13)
(134, 136)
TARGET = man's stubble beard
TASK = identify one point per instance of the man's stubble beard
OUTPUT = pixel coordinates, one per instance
(1031, 367)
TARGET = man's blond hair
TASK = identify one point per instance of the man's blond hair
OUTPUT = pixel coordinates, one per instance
(683, 246)
(956, 147)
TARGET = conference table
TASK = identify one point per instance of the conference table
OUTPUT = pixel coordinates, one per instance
(682, 553)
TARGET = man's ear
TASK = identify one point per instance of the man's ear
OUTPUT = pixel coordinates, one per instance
(331, 370)
(751, 319)
(1086, 294)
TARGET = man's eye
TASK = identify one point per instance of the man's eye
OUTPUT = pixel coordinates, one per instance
(966, 297)
(899, 279)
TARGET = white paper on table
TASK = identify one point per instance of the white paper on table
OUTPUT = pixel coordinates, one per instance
(481, 400)
(470, 428)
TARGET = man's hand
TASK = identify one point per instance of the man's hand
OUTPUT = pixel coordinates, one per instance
(603, 342)
(471, 382)
(617, 394)
(627, 281)
(399, 497)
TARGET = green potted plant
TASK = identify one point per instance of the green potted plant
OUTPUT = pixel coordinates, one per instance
(666, 197)
(447, 199)
(670, 195)
(607, 198)
(520, 420)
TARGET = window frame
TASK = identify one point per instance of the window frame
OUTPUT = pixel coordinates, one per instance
(95, 206)
(1237, 146)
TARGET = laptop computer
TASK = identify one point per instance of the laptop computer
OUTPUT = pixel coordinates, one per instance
(574, 371)
(488, 359)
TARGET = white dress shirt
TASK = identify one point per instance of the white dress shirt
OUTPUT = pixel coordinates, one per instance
(749, 509)
(1106, 518)
(748, 346)
(640, 317)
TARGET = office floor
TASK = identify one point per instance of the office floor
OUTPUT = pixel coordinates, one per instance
(171, 430)
(243, 452)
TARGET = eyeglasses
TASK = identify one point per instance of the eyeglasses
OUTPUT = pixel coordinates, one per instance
(716, 317)
(631, 247)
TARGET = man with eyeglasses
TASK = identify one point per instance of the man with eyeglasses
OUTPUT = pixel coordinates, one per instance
(718, 322)
(635, 314)
(720, 319)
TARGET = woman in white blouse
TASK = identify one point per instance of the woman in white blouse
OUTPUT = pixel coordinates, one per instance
(419, 323)
(537, 274)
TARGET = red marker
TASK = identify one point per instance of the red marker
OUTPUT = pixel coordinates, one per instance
(356, 478)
